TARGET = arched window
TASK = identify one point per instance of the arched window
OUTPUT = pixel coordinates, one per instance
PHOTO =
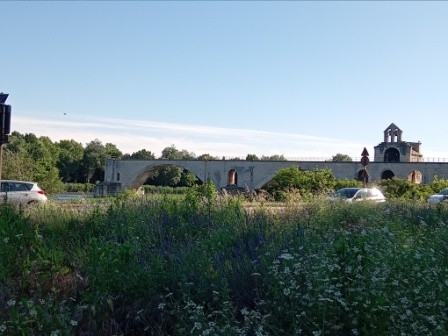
(415, 177)
(232, 177)
(391, 155)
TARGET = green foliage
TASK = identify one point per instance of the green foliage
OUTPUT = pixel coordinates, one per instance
(439, 184)
(252, 157)
(34, 159)
(151, 266)
(341, 158)
(307, 182)
(95, 155)
(187, 179)
(205, 157)
(204, 193)
(168, 176)
(273, 158)
(395, 188)
(345, 183)
(79, 187)
(113, 151)
(70, 159)
(142, 154)
(172, 175)
(152, 189)
(172, 153)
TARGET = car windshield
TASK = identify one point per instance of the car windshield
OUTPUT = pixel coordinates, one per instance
(345, 192)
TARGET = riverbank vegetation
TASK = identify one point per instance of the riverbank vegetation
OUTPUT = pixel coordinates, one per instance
(201, 264)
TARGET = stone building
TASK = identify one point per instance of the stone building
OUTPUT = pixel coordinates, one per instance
(394, 149)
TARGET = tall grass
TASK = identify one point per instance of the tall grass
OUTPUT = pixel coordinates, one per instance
(193, 266)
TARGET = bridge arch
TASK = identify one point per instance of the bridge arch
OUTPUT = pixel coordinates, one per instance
(387, 174)
(149, 171)
(363, 176)
(145, 175)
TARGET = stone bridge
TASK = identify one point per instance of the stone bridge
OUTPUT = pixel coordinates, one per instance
(131, 174)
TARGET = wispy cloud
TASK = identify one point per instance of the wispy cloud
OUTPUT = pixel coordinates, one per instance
(132, 135)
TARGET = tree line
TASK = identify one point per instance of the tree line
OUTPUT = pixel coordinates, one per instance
(54, 164)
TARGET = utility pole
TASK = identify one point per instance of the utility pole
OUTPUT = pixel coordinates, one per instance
(5, 125)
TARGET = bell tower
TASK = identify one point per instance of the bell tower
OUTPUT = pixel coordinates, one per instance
(394, 149)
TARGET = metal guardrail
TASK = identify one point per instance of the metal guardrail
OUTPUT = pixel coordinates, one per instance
(330, 159)
(435, 160)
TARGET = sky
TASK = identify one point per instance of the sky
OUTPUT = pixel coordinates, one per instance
(302, 79)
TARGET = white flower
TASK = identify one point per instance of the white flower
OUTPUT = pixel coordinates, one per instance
(286, 256)
(11, 303)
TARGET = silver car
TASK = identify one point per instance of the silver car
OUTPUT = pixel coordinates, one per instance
(358, 194)
(21, 192)
(441, 196)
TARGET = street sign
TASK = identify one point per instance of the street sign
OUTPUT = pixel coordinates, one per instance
(365, 161)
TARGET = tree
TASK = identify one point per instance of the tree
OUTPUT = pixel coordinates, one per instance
(69, 162)
(142, 154)
(252, 157)
(34, 159)
(95, 155)
(113, 151)
(188, 179)
(206, 157)
(172, 175)
(273, 158)
(17, 164)
(171, 153)
(308, 182)
(341, 158)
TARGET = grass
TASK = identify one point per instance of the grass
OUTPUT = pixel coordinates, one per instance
(181, 266)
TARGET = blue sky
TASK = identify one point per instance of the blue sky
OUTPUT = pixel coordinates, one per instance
(303, 79)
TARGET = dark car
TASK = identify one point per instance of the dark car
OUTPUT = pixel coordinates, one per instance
(441, 196)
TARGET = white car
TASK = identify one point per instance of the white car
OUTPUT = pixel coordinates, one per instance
(358, 194)
(21, 192)
(441, 196)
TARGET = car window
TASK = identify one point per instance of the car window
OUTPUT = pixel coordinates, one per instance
(348, 193)
(15, 186)
(5, 187)
(362, 193)
(373, 193)
(22, 187)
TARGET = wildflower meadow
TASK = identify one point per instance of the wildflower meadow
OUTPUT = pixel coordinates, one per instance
(205, 265)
